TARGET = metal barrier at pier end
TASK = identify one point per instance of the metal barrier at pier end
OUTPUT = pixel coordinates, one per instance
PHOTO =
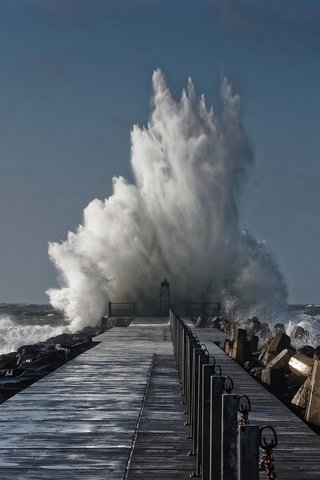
(224, 444)
(205, 309)
(122, 309)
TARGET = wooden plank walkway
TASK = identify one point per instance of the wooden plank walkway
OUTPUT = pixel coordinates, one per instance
(161, 450)
(297, 455)
(80, 421)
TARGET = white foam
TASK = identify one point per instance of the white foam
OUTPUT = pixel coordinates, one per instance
(178, 220)
(13, 335)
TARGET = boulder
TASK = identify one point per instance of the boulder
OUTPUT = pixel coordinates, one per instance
(300, 365)
(299, 333)
(313, 404)
(307, 350)
(282, 359)
(278, 343)
(301, 397)
(256, 372)
(276, 380)
(279, 328)
(255, 325)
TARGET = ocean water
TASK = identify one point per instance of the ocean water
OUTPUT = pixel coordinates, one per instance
(23, 324)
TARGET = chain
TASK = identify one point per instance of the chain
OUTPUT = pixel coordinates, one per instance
(228, 385)
(266, 461)
(244, 407)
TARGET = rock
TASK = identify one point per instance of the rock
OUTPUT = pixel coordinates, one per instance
(254, 342)
(252, 363)
(313, 404)
(264, 331)
(307, 350)
(277, 344)
(241, 350)
(300, 365)
(282, 359)
(301, 397)
(256, 372)
(299, 333)
(278, 328)
(228, 346)
(316, 354)
(255, 325)
(275, 378)
(240, 334)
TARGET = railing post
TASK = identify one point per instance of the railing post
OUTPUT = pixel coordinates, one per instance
(229, 436)
(216, 391)
(189, 377)
(204, 357)
(248, 452)
(194, 402)
(207, 372)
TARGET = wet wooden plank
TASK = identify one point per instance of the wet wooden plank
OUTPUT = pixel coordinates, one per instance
(161, 449)
(79, 422)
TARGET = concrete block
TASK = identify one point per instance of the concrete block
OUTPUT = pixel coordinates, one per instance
(300, 365)
(300, 399)
(241, 351)
(313, 405)
(299, 333)
(282, 359)
(276, 379)
(227, 346)
(254, 341)
(240, 334)
(279, 342)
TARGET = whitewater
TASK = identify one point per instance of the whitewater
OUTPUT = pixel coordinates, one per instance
(179, 219)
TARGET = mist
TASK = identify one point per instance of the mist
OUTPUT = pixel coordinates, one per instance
(179, 219)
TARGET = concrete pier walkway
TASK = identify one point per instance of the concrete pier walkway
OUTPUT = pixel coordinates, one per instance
(80, 422)
(115, 413)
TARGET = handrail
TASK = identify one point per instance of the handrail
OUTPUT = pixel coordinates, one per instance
(220, 442)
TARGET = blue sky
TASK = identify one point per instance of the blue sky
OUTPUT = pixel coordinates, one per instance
(75, 75)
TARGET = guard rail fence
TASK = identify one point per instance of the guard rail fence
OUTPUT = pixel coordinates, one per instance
(224, 447)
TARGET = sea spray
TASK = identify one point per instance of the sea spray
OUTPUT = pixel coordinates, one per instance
(179, 219)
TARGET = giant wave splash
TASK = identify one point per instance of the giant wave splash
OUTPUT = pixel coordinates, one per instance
(178, 219)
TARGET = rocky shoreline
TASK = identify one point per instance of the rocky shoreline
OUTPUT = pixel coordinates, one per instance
(29, 363)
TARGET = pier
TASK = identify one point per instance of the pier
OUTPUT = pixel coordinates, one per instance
(134, 407)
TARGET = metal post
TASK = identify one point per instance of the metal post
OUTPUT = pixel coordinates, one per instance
(204, 356)
(216, 391)
(207, 372)
(229, 437)
(248, 452)
(194, 402)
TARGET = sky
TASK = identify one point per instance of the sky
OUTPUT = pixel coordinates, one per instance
(75, 76)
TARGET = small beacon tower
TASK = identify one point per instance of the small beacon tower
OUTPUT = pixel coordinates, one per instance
(164, 298)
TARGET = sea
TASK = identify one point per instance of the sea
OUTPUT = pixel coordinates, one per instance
(26, 324)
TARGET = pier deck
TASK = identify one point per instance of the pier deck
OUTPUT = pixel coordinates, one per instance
(80, 422)
(114, 413)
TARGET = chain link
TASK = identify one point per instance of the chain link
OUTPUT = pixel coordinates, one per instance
(244, 407)
(267, 459)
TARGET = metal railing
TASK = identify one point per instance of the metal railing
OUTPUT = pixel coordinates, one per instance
(122, 309)
(207, 309)
(224, 447)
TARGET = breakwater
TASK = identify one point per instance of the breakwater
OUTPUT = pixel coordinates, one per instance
(285, 364)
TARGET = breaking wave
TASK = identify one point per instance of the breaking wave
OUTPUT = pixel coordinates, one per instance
(179, 219)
